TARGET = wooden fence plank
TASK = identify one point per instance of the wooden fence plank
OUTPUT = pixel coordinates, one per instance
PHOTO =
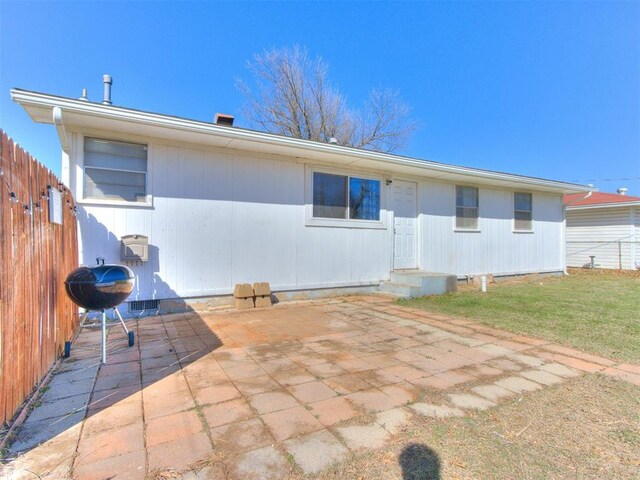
(36, 317)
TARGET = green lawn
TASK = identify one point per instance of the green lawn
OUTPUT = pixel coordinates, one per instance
(598, 313)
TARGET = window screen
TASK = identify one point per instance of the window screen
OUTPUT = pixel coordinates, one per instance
(341, 196)
(467, 207)
(115, 170)
(522, 211)
(364, 199)
(329, 195)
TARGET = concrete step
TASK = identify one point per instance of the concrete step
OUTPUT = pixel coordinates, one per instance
(402, 290)
(421, 283)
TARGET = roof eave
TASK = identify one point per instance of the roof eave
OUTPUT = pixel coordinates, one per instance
(604, 205)
(40, 106)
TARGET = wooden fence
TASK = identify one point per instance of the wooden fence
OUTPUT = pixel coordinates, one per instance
(36, 317)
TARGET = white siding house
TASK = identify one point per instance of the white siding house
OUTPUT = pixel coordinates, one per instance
(223, 205)
(605, 228)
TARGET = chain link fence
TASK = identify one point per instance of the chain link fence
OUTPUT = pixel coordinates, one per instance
(617, 255)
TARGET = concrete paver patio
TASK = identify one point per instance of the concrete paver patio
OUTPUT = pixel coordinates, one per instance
(254, 394)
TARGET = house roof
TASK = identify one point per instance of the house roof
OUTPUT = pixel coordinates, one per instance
(599, 200)
(68, 114)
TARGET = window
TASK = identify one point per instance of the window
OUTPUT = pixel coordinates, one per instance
(341, 196)
(466, 207)
(522, 212)
(115, 170)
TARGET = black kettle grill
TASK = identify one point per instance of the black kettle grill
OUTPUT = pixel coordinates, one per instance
(99, 288)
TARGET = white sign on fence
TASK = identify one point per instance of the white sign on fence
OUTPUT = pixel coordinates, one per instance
(55, 206)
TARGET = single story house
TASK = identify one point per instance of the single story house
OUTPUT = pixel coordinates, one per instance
(603, 230)
(222, 205)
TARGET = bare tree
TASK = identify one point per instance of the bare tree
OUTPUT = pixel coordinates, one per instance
(292, 96)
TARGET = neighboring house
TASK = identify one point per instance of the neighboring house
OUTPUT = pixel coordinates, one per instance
(605, 226)
(222, 205)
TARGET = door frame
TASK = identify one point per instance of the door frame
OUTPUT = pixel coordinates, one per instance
(417, 223)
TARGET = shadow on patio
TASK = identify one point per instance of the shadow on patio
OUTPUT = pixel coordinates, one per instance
(267, 393)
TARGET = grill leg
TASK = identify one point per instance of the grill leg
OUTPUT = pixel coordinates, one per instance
(104, 337)
(84, 318)
(126, 330)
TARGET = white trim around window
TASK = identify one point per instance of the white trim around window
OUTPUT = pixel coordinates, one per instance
(146, 172)
(468, 204)
(312, 221)
(519, 201)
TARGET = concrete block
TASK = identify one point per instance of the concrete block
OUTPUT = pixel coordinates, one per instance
(316, 451)
(263, 301)
(438, 411)
(261, 289)
(243, 290)
(469, 401)
(34, 433)
(540, 376)
(417, 283)
(492, 392)
(393, 420)
(368, 436)
(263, 464)
(244, 303)
(518, 384)
(60, 408)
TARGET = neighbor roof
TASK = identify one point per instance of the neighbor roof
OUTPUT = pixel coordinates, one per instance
(600, 200)
(85, 116)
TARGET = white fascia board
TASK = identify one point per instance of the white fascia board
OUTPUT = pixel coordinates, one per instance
(634, 203)
(38, 104)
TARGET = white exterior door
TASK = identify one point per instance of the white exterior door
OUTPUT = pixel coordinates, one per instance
(405, 238)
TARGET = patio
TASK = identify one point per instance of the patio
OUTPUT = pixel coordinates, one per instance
(262, 393)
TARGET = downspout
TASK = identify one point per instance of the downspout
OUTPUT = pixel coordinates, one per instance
(62, 132)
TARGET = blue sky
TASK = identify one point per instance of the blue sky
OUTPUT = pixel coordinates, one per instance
(544, 89)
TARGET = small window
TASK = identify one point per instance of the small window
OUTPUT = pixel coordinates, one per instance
(467, 208)
(522, 212)
(115, 170)
(341, 196)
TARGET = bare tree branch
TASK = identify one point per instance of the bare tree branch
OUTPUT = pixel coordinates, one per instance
(292, 96)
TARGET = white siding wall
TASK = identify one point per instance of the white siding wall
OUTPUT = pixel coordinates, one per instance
(220, 217)
(598, 232)
(494, 248)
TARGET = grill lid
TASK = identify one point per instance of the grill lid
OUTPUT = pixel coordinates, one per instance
(100, 287)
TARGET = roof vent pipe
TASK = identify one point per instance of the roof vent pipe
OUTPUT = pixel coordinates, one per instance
(333, 141)
(84, 97)
(622, 190)
(107, 89)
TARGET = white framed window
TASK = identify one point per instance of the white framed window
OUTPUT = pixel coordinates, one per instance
(466, 208)
(341, 199)
(522, 212)
(344, 196)
(114, 171)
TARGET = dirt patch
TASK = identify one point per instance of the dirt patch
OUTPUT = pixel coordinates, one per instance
(603, 272)
(585, 428)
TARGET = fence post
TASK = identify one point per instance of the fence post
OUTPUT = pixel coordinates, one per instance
(619, 255)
